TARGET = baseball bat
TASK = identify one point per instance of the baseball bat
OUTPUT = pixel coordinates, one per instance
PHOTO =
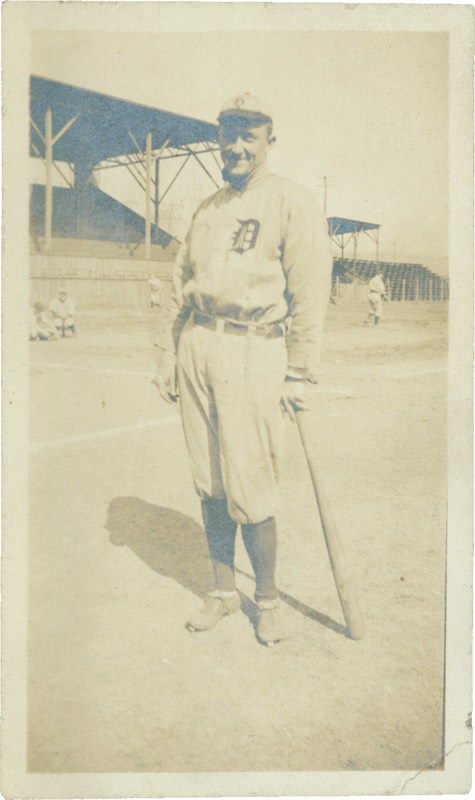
(353, 619)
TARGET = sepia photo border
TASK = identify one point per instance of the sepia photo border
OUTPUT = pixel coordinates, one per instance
(20, 20)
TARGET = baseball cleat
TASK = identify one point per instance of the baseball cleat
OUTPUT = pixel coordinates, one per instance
(270, 628)
(215, 606)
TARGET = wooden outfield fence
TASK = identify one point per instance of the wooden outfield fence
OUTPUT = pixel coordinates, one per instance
(100, 283)
(96, 283)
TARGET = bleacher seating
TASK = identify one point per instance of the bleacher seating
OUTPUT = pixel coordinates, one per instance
(404, 281)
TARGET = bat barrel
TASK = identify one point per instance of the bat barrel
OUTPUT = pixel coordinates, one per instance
(344, 585)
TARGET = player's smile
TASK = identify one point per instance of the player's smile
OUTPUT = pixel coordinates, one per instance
(244, 147)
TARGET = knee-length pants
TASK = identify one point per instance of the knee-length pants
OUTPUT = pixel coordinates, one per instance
(230, 387)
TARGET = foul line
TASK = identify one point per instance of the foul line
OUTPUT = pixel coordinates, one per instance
(391, 372)
(85, 437)
(102, 371)
(383, 371)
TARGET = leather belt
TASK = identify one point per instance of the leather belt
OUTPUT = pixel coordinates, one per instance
(271, 331)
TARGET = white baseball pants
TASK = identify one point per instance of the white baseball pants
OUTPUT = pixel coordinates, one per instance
(230, 388)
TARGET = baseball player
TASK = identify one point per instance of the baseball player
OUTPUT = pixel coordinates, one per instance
(155, 291)
(41, 326)
(251, 287)
(62, 308)
(377, 290)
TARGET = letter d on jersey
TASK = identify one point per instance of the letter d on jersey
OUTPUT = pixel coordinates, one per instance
(245, 237)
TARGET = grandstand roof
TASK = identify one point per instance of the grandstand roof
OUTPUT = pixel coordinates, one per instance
(104, 123)
(341, 225)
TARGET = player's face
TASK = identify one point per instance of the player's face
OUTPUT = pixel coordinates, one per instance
(244, 146)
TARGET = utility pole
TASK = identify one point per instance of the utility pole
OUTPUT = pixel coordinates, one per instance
(325, 179)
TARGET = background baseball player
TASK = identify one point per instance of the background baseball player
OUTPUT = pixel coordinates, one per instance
(251, 286)
(156, 292)
(41, 326)
(63, 309)
(377, 291)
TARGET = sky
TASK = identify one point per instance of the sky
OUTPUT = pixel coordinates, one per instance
(367, 109)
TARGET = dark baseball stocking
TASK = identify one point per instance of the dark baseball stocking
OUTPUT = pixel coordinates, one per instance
(221, 535)
(260, 540)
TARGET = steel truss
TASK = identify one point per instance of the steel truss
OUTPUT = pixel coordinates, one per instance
(339, 239)
(139, 164)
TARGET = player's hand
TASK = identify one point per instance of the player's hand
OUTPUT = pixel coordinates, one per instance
(293, 397)
(165, 379)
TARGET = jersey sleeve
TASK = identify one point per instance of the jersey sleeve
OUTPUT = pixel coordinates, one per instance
(307, 263)
(175, 313)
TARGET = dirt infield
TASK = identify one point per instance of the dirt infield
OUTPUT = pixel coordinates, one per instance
(117, 560)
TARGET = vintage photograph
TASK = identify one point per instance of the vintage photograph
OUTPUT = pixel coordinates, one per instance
(235, 322)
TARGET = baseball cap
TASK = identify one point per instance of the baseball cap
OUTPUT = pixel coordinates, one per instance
(247, 106)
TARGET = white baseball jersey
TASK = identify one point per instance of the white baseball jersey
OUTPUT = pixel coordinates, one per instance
(63, 310)
(376, 285)
(262, 255)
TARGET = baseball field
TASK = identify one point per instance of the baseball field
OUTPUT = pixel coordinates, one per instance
(117, 561)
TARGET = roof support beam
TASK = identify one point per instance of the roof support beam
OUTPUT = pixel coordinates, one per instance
(373, 234)
(49, 141)
(213, 150)
(35, 126)
(111, 163)
(49, 179)
(34, 147)
(174, 179)
(156, 198)
(65, 128)
(205, 169)
(184, 153)
(355, 245)
(134, 170)
(134, 176)
(148, 187)
(136, 144)
(54, 138)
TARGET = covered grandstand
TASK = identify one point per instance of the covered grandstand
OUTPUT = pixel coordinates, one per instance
(404, 281)
(96, 132)
(81, 236)
(84, 237)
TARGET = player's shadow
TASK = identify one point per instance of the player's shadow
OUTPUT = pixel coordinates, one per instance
(169, 542)
(174, 544)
